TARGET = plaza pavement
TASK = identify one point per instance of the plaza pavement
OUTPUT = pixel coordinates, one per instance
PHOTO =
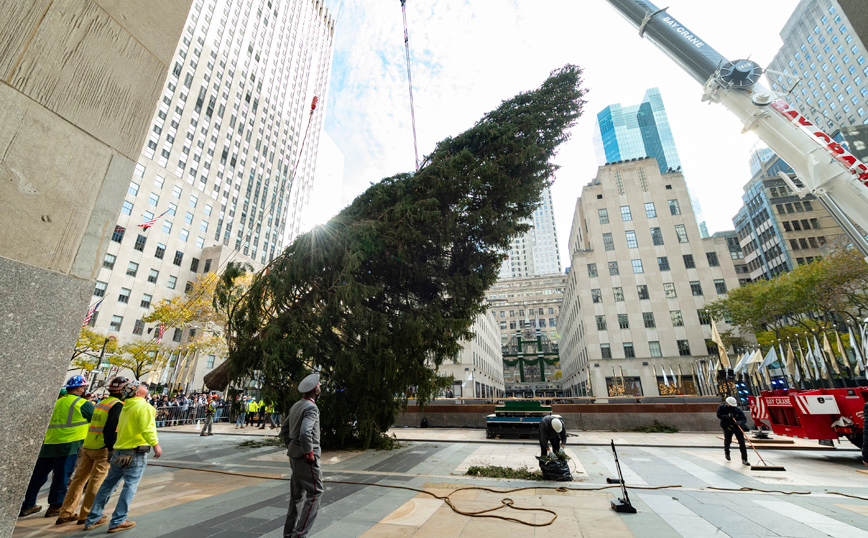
(190, 503)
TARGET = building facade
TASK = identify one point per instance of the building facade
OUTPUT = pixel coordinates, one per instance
(823, 63)
(639, 131)
(223, 175)
(778, 230)
(641, 274)
(535, 252)
(477, 370)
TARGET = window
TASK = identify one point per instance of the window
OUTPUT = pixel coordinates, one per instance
(210, 361)
(132, 268)
(643, 292)
(608, 243)
(177, 336)
(628, 350)
(99, 290)
(681, 232)
(188, 218)
(140, 243)
(152, 276)
(625, 213)
(654, 347)
(623, 321)
(146, 300)
(118, 235)
(146, 216)
(115, 325)
(669, 290)
(656, 236)
(631, 239)
(153, 199)
(127, 208)
(618, 292)
(601, 323)
(637, 266)
(134, 188)
(200, 242)
(193, 200)
(712, 259)
(673, 207)
(719, 286)
(695, 288)
(109, 261)
(650, 212)
(179, 256)
(683, 348)
(124, 296)
(207, 210)
(176, 192)
(688, 261)
(161, 249)
(208, 268)
(138, 327)
(140, 170)
(194, 265)
(663, 263)
(648, 319)
(596, 295)
(592, 270)
(184, 234)
(167, 226)
(704, 317)
(677, 320)
(604, 216)
(171, 283)
(188, 287)
(613, 268)
(204, 226)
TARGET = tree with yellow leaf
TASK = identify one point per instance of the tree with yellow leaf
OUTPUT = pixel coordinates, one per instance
(90, 346)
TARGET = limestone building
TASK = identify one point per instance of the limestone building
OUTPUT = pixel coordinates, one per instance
(535, 252)
(477, 370)
(640, 277)
(223, 173)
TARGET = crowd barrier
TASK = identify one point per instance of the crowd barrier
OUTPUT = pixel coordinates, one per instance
(168, 416)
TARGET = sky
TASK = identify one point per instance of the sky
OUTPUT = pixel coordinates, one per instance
(468, 56)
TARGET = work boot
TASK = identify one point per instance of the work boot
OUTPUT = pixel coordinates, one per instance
(101, 521)
(122, 527)
(68, 519)
(745, 462)
(30, 511)
(52, 511)
(727, 457)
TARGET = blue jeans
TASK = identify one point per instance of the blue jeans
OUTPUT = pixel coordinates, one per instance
(62, 468)
(239, 420)
(131, 475)
(217, 414)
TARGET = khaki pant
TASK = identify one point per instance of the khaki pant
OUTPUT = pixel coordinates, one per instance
(91, 468)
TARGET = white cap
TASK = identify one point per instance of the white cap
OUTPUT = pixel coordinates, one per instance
(308, 383)
(557, 425)
(731, 401)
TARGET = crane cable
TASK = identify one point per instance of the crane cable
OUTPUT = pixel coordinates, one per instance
(410, 81)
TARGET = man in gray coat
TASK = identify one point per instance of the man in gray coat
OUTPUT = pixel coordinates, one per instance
(300, 432)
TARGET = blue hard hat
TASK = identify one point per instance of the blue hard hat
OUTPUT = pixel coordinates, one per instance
(76, 381)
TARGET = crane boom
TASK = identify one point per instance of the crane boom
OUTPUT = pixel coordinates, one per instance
(824, 168)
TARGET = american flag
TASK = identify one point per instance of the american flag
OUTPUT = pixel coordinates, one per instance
(151, 222)
(91, 312)
(160, 331)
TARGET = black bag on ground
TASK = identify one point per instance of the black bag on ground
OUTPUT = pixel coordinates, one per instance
(557, 470)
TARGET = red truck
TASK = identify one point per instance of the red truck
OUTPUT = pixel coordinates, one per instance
(812, 414)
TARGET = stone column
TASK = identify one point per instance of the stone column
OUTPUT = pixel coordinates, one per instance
(79, 83)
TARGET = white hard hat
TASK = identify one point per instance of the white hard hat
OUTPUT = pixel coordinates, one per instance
(557, 425)
(731, 401)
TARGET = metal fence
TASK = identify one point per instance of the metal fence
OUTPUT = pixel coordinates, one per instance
(178, 416)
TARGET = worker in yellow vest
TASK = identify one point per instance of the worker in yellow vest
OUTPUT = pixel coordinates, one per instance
(137, 433)
(93, 458)
(66, 432)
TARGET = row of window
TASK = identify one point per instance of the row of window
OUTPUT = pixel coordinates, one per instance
(540, 311)
(662, 264)
(649, 322)
(795, 207)
(653, 348)
(133, 267)
(668, 291)
(138, 327)
(807, 242)
(530, 323)
(656, 237)
(650, 212)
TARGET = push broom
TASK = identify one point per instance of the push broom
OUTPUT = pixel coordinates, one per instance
(765, 466)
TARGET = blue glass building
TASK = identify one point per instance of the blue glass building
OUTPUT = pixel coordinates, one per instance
(640, 131)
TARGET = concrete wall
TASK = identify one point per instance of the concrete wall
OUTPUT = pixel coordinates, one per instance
(79, 80)
(615, 417)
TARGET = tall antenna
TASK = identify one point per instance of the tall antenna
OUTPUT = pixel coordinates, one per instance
(410, 80)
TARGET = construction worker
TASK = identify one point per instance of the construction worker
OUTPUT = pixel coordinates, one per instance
(66, 432)
(733, 422)
(300, 432)
(210, 408)
(137, 433)
(551, 429)
(93, 458)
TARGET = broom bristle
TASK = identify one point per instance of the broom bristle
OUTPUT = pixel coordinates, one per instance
(766, 468)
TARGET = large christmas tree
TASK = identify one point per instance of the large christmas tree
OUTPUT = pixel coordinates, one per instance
(388, 289)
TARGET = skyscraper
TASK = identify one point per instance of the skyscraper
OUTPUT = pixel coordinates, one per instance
(535, 252)
(223, 173)
(823, 63)
(639, 131)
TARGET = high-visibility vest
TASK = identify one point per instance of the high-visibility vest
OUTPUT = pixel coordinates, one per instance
(95, 439)
(67, 423)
